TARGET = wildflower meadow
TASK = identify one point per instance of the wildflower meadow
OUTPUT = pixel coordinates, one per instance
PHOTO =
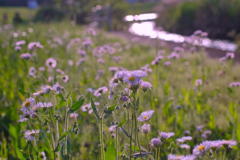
(72, 92)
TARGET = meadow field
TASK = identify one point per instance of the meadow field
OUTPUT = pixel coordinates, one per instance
(71, 92)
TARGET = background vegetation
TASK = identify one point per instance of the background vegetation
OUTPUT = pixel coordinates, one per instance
(219, 18)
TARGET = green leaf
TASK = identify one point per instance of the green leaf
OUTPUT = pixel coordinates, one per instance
(34, 151)
(68, 147)
(61, 96)
(62, 136)
(45, 139)
(62, 151)
(94, 109)
(68, 94)
(111, 152)
(57, 148)
(230, 90)
(199, 108)
(232, 109)
(137, 104)
(76, 106)
(171, 119)
(112, 108)
(131, 95)
(238, 132)
(23, 92)
(13, 131)
(166, 88)
(123, 121)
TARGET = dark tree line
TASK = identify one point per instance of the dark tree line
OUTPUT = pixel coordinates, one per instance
(22, 3)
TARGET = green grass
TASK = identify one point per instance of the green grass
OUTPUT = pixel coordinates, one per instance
(25, 13)
(139, 8)
(208, 105)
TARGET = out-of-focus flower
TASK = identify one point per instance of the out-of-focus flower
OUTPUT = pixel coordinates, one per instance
(27, 104)
(60, 71)
(167, 63)
(30, 135)
(19, 43)
(51, 63)
(80, 61)
(234, 84)
(230, 55)
(146, 128)
(46, 105)
(100, 61)
(65, 78)
(73, 115)
(34, 45)
(145, 85)
(156, 142)
(198, 82)
(24, 117)
(56, 87)
(133, 77)
(200, 150)
(164, 135)
(46, 88)
(25, 56)
(99, 75)
(175, 157)
(222, 59)
(100, 91)
(173, 55)
(32, 71)
(228, 143)
(185, 146)
(145, 116)
(17, 48)
(41, 68)
(82, 52)
(70, 62)
(117, 59)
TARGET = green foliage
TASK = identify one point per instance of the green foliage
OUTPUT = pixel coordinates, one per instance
(49, 14)
(111, 152)
(218, 18)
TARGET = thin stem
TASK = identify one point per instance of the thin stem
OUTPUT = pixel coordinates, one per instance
(147, 145)
(116, 143)
(66, 126)
(131, 140)
(136, 132)
(158, 150)
(101, 139)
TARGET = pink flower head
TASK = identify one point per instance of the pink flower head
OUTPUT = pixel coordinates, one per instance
(51, 63)
(198, 82)
(100, 91)
(230, 55)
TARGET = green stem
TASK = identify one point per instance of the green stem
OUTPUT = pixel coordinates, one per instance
(101, 139)
(136, 132)
(116, 143)
(147, 145)
(131, 140)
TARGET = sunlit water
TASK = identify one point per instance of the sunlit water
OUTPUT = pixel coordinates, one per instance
(147, 28)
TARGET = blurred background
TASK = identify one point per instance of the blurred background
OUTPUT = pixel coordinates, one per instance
(219, 18)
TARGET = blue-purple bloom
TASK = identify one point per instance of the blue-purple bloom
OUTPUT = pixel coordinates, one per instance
(133, 77)
(100, 91)
(146, 128)
(145, 116)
